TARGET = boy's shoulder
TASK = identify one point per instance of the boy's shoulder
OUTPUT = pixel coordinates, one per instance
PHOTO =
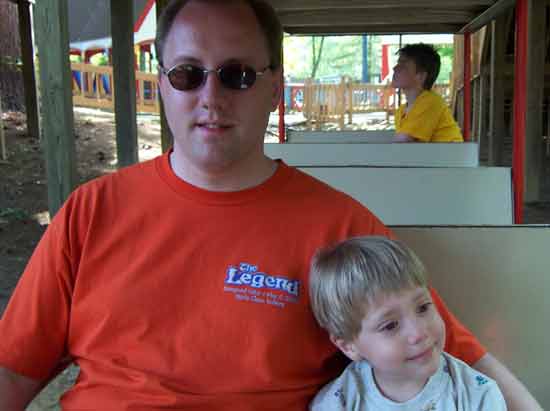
(431, 96)
(460, 371)
(352, 384)
(473, 387)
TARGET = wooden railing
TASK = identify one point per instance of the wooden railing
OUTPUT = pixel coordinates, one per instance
(93, 87)
(332, 102)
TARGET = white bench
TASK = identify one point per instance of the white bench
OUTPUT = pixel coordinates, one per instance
(371, 136)
(427, 196)
(496, 280)
(376, 154)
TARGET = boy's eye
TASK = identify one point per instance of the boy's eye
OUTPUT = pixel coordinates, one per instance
(422, 308)
(391, 326)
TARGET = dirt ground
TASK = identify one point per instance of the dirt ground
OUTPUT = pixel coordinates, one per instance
(24, 204)
(23, 198)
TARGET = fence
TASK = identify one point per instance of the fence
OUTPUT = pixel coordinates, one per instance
(93, 87)
(332, 102)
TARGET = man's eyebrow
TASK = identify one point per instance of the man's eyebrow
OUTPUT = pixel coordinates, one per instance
(183, 59)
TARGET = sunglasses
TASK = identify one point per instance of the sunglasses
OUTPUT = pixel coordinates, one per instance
(233, 76)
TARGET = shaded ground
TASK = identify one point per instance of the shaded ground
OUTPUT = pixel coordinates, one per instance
(23, 196)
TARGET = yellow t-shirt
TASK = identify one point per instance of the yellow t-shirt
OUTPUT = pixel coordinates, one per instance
(429, 120)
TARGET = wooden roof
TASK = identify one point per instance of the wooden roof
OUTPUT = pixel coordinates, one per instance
(385, 16)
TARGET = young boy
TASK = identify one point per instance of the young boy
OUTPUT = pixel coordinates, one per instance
(371, 295)
(425, 117)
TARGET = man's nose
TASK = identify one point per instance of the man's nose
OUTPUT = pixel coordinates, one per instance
(212, 93)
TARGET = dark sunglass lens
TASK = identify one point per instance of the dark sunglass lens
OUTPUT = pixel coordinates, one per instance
(186, 77)
(237, 76)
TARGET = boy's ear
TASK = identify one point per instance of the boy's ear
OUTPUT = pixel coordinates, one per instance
(347, 347)
(422, 76)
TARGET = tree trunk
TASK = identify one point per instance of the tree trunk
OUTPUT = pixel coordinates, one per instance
(317, 53)
(11, 78)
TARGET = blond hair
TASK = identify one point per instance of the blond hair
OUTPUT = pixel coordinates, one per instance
(345, 279)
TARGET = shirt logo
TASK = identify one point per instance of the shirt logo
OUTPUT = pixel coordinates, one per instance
(247, 274)
(250, 285)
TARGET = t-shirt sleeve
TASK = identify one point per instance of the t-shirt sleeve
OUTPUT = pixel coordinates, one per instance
(460, 342)
(35, 323)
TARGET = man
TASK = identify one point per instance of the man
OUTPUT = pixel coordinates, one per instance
(180, 282)
(425, 117)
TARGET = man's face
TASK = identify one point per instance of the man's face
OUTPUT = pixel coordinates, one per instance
(405, 75)
(402, 336)
(215, 127)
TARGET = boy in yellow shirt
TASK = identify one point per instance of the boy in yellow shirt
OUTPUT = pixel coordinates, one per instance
(425, 117)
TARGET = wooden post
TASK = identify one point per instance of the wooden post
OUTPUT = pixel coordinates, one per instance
(536, 54)
(27, 54)
(124, 79)
(341, 102)
(482, 124)
(51, 21)
(475, 108)
(497, 127)
(166, 137)
(307, 103)
(349, 94)
(467, 87)
(3, 151)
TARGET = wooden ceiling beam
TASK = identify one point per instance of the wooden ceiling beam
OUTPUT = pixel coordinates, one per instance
(296, 5)
(437, 28)
(345, 18)
(488, 15)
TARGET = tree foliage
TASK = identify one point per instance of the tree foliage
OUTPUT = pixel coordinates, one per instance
(333, 56)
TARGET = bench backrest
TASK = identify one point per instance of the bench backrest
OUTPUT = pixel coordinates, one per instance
(496, 280)
(427, 196)
(376, 154)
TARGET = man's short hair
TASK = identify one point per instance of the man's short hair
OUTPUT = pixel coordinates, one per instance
(268, 20)
(346, 278)
(426, 58)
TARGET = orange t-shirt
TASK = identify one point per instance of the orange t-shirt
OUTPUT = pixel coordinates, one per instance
(169, 296)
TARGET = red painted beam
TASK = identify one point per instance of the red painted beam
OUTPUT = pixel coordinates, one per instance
(520, 108)
(282, 131)
(467, 87)
(143, 15)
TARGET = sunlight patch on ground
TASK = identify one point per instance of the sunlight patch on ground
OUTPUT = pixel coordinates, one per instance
(42, 217)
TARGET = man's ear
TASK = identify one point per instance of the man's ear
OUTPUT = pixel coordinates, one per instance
(277, 88)
(347, 347)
